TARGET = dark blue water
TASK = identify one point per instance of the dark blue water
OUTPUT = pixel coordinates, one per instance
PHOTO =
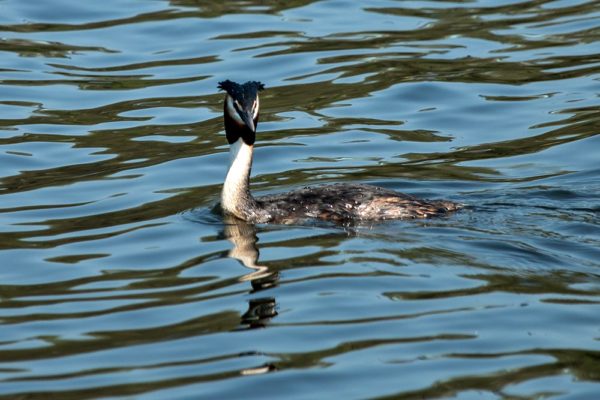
(117, 280)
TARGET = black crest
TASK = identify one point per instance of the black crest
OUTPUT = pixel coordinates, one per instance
(243, 93)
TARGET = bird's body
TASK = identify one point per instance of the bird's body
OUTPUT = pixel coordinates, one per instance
(337, 202)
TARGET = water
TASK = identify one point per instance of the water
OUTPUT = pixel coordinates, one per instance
(118, 281)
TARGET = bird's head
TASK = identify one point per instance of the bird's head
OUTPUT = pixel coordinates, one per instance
(241, 110)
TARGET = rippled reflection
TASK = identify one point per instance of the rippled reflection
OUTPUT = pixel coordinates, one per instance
(243, 238)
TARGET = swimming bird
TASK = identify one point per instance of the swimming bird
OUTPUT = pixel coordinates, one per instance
(339, 203)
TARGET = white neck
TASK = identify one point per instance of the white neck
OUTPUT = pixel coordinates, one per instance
(236, 191)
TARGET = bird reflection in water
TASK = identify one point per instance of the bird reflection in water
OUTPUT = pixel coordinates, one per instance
(242, 236)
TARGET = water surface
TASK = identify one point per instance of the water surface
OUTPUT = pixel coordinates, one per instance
(118, 280)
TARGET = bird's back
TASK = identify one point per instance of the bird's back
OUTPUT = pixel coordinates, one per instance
(348, 202)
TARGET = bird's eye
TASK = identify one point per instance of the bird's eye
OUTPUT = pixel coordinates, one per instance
(234, 110)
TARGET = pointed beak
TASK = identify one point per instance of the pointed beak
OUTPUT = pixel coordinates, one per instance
(247, 118)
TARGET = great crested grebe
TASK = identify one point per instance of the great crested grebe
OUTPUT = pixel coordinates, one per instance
(338, 202)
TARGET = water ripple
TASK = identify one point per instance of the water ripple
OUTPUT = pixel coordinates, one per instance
(120, 278)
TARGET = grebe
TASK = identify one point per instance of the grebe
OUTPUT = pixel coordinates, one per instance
(337, 202)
